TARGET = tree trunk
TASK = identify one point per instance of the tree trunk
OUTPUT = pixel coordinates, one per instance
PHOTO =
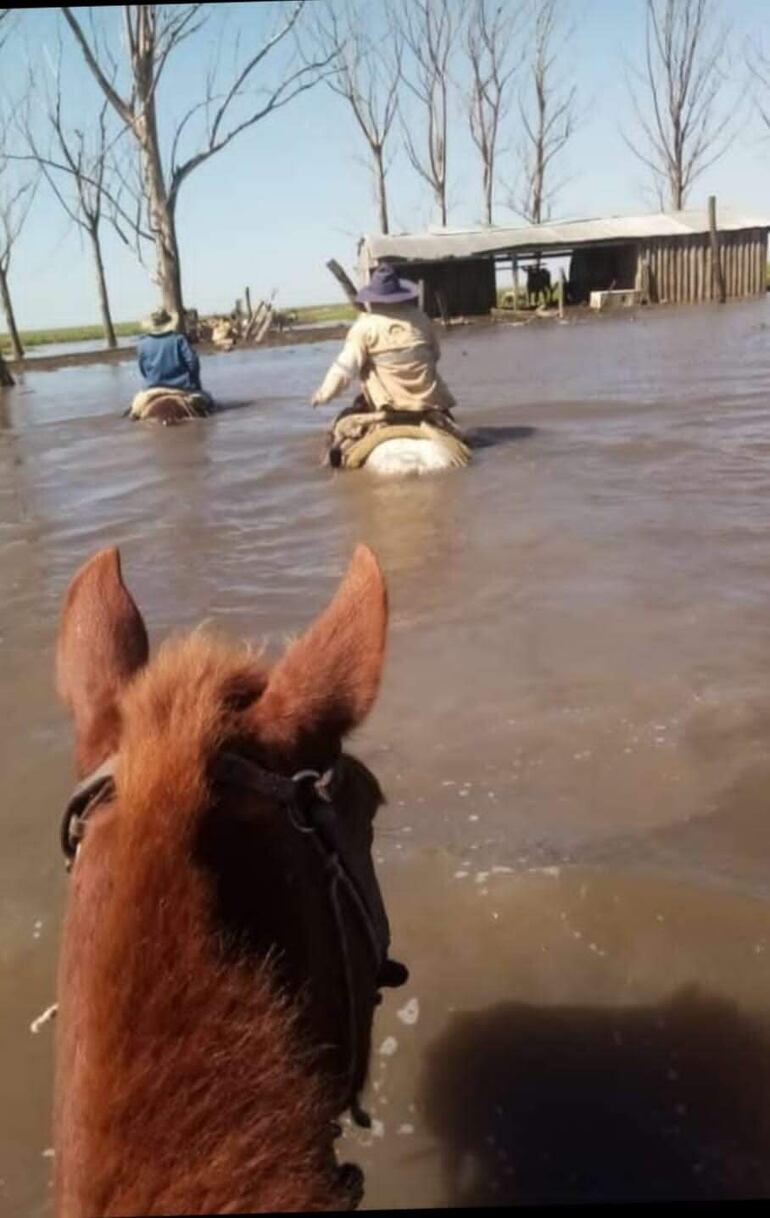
(537, 193)
(488, 183)
(382, 198)
(101, 282)
(162, 214)
(13, 333)
(6, 380)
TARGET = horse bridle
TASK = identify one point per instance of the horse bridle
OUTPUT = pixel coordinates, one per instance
(308, 797)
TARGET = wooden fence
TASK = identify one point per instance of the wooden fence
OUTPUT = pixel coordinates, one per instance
(680, 268)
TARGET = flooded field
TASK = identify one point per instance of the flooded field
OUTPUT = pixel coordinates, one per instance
(573, 733)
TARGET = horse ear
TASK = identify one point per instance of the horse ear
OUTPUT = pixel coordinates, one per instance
(102, 643)
(326, 682)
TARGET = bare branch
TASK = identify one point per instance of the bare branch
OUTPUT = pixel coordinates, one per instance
(152, 34)
(5, 25)
(172, 33)
(429, 32)
(122, 107)
(494, 57)
(548, 115)
(683, 88)
(366, 75)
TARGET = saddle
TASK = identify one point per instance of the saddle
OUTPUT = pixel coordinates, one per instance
(168, 405)
(357, 431)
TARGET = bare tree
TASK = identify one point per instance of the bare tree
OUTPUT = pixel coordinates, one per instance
(15, 202)
(75, 171)
(366, 77)
(16, 195)
(684, 125)
(494, 57)
(548, 115)
(153, 32)
(429, 30)
(5, 23)
(6, 379)
(759, 65)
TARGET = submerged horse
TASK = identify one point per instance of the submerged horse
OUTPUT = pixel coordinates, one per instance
(224, 941)
(169, 406)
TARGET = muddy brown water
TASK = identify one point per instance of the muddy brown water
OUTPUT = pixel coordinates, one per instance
(573, 733)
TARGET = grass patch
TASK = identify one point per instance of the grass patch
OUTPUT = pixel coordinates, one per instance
(30, 339)
(66, 334)
(306, 314)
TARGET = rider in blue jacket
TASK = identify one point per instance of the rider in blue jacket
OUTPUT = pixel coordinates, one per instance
(166, 359)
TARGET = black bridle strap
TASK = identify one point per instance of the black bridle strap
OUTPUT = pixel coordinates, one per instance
(93, 789)
(307, 796)
(309, 793)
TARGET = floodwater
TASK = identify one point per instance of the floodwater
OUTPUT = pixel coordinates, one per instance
(573, 733)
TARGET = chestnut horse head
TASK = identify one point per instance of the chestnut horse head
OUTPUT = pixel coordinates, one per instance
(225, 938)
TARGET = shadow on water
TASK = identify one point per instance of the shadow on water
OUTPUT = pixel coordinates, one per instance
(490, 437)
(224, 406)
(580, 1103)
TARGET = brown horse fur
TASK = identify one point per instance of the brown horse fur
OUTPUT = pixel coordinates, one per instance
(168, 406)
(202, 1043)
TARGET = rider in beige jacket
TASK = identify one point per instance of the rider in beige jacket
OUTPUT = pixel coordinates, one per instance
(392, 350)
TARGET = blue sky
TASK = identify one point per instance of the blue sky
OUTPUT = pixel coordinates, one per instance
(293, 192)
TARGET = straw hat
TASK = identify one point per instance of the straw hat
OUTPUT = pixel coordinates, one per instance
(160, 321)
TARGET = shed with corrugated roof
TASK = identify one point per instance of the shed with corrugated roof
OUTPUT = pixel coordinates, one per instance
(667, 256)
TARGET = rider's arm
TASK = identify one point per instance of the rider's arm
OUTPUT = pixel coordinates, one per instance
(345, 368)
(190, 359)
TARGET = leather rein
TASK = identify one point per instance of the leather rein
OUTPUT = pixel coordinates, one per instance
(308, 797)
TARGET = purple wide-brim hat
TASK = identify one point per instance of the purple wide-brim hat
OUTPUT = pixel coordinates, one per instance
(385, 287)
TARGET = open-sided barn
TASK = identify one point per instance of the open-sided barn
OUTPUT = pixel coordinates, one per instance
(665, 256)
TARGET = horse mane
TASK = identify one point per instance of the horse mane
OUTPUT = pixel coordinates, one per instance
(166, 1012)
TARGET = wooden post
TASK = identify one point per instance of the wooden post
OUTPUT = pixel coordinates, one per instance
(442, 307)
(644, 278)
(247, 295)
(754, 262)
(265, 325)
(421, 297)
(562, 287)
(344, 280)
(715, 259)
(254, 321)
(515, 269)
(726, 260)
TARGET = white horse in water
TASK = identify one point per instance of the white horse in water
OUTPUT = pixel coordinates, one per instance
(396, 443)
(404, 455)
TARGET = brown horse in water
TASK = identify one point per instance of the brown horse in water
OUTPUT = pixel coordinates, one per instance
(217, 983)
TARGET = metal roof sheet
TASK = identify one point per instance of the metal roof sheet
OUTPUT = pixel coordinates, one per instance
(464, 243)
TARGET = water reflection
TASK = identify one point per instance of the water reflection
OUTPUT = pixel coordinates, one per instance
(408, 522)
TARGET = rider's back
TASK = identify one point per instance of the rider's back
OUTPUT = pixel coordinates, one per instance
(398, 352)
(168, 360)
